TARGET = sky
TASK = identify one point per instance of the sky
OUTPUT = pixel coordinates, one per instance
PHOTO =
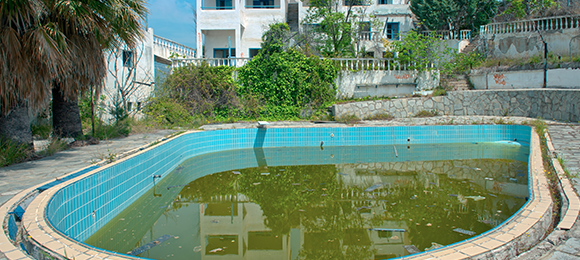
(173, 19)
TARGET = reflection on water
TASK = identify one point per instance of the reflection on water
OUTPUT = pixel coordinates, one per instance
(339, 203)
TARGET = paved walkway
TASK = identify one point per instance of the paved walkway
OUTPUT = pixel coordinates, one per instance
(16, 178)
(566, 141)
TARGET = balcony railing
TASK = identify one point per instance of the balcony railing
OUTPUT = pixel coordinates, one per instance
(540, 24)
(262, 6)
(371, 36)
(165, 47)
(448, 35)
(235, 62)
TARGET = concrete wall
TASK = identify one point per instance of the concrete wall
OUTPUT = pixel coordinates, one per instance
(526, 44)
(379, 83)
(556, 78)
(556, 104)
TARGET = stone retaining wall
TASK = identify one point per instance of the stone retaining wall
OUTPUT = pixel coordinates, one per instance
(556, 104)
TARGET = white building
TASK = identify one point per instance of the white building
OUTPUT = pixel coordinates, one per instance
(236, 26)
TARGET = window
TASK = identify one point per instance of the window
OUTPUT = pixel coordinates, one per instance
(261, 4)
(223, 53)
(355, 2)
(127, 59)
(385, 2)
(224, 4)
(393, 31)
(254, 52)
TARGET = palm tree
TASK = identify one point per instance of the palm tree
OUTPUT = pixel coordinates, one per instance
(58, 46)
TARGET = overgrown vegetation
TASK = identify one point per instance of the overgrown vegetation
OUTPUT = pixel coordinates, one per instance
(12, 152)
(427, 113)
(419, 51)
(550, 172)
(382, 116)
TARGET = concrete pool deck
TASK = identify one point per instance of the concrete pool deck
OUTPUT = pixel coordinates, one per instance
(19, 177)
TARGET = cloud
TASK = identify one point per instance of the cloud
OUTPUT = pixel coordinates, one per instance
(173, 19)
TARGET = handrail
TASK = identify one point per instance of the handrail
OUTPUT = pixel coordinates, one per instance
(218, 7)
(342, 63)
(173, 46)
(537, 24)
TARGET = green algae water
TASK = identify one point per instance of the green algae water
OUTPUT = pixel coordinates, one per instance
(361, 202)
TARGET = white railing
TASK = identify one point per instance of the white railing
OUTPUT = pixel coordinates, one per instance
(448, 35)
(342, 63)
(540, 24)
(368, 64)
(165, 48)
(371, 36)
(235, 62)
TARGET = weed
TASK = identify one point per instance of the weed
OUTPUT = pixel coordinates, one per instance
(348, 119)
(12, 152)
(439, 91)
(506, 112)
(55, 145)
(566, 171)
(111, 157)
(427, 113)
(41, 131)
(384, 116)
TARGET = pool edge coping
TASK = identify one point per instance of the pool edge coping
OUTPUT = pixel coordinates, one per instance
(493, 240)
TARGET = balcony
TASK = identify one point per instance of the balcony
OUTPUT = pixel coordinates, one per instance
(262, 4)
(217, 5)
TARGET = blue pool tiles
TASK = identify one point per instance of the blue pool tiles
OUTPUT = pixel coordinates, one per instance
(81, 208)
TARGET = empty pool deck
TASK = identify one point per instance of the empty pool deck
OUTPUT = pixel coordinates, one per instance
(18, 178)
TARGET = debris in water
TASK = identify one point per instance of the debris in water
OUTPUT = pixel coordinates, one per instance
(466, 167)
(513, 179)
(265, 173)
(434, 246)
(197, 249)
(374, 187)
(475, 198)
(493, 195)
(463, 231)
(488, 179)
(363, 207)
(428, 224)
(236, 172)
(219, 249)
(432, 183)
(323, 195)
(215, 221)
(342, 173)
(452, 195)
(149, 245)
(257, 183)
(411, 249)
(484, 221)
(295, 184)
(301, 210)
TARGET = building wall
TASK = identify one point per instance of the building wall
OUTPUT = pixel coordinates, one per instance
(527, 44)
(141, 77)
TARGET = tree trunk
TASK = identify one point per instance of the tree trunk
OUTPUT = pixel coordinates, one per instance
(66, 118)
(16, 125)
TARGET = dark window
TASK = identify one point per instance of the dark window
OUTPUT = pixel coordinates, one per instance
(224, 4)
(355, 2)
(385, 2)
(128, 59)
(254, 52)
(393, 31)
(223, 53)
(262, 4)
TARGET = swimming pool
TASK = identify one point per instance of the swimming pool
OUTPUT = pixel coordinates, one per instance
(80, 208)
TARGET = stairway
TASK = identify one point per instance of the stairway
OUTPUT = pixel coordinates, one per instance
(455, 82)
(471, 46)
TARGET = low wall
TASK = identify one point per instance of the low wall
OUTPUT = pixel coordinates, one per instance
(556, 78)
(557, 104)
(382, 83)
(526, 44)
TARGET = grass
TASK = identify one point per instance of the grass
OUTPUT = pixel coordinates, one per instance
(348, 119)
(549, 171)
(13, 152)
(384, 116)
(439, 92)
(55, 145)
(427, 113)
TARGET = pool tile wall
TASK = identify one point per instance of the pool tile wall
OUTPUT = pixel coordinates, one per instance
(81, 208)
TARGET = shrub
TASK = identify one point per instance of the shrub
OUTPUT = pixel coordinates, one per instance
(427, 113)
(12, 152)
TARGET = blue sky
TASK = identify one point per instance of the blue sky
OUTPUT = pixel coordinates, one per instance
(173, 19)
